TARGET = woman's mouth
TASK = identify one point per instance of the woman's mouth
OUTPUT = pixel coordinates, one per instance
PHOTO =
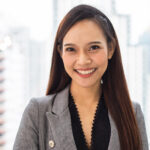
(85, 72)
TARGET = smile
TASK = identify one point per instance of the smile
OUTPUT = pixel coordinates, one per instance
(84, 72)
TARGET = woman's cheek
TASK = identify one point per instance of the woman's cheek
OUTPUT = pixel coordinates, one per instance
(68, 60)
(100, 58)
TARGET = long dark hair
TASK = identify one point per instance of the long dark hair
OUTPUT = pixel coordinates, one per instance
(114, 83)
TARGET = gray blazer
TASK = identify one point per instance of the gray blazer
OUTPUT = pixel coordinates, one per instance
(46, 125)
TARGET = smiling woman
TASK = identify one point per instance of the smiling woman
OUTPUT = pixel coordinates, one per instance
(87, 104)
(85, 54)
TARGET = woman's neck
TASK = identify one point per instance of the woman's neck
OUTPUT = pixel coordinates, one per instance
(85, 96)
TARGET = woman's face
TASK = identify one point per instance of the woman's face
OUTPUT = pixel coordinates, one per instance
(85, 53)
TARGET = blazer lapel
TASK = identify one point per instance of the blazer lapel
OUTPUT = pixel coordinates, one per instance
(60, 124)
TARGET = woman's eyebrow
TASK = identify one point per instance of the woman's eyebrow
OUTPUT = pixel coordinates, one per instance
(95, 42)
(69, 44)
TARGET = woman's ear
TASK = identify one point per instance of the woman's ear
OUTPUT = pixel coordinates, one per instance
(111, 50)
(59, 50)
(110, 53)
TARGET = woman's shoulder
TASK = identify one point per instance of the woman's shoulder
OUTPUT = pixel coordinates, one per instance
(141, 124)
(42, 103)
(138, 110)
(136, 106)
(45, 103)
(43, 100)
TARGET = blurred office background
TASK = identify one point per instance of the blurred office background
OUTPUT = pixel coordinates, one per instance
(27, 31)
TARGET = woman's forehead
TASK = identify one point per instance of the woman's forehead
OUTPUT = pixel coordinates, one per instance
(84, 30)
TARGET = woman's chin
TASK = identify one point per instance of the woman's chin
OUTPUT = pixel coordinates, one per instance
(86, 84)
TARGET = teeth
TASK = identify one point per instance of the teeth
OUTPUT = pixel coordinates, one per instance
(85, 72)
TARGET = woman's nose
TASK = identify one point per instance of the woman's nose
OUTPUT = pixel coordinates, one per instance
(83, 59)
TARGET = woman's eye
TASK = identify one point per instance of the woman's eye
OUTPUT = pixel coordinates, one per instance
(94, 47)
(70, 49)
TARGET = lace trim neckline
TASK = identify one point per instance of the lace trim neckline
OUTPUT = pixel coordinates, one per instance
(99, 107)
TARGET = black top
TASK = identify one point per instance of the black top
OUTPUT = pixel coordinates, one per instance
(100, 129)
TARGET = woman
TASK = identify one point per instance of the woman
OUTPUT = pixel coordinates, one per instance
(87, 106)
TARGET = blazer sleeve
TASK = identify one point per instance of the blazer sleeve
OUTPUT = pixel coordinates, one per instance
(27, 135)
(142, 127)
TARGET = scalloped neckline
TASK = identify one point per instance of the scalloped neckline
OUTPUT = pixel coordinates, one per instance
(89, 147)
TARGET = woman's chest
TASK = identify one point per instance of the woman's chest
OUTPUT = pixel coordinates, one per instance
(60, 130)
(87, 121)
(90, 127)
